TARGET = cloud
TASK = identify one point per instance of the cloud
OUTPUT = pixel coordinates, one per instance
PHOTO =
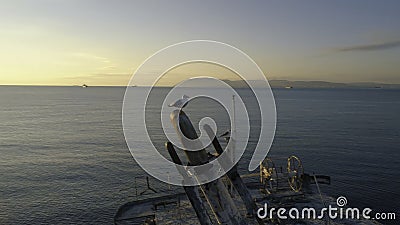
(88, 56)
(101, 63)
(369, 47)
(112, 67)
(101, 76)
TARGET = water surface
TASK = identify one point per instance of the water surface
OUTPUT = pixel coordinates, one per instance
(63, 157)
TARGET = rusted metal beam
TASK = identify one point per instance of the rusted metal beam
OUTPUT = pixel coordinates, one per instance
(191, 191)
(215, 191)
(235, 178)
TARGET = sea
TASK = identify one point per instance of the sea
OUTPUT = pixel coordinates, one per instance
(64, 159)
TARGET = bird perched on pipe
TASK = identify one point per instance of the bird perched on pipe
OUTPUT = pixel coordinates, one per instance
(180, 103)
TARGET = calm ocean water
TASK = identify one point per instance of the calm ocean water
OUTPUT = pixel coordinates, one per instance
(63, 157)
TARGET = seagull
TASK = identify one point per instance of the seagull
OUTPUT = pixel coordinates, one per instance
(180, 103)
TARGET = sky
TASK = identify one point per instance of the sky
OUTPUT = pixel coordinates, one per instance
(71, 42)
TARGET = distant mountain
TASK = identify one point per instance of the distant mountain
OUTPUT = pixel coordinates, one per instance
(306, 84)
(375, 85)
(311, 84)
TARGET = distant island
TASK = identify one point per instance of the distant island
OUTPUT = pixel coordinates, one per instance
(314, 84)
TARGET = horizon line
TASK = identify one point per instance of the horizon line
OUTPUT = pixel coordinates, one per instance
(269, 81)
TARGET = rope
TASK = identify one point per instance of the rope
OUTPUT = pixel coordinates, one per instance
(320, 195)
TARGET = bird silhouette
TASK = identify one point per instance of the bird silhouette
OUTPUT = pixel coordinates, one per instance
(180, 103)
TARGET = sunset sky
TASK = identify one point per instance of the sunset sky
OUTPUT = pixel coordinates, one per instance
(69, 42)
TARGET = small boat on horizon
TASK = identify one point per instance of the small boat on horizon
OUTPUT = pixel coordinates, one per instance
(84, 86)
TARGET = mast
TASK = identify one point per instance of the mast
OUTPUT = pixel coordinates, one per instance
(233, 135)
